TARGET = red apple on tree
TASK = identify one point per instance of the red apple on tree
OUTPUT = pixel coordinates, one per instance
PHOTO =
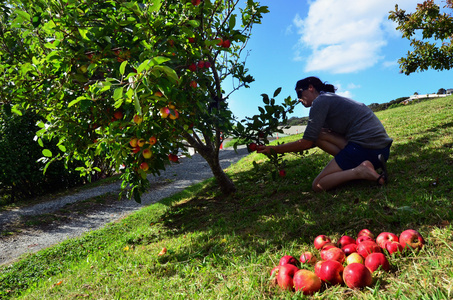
(138, 119)
(152, 140)
(252, 147)
(357, 276)
(144, 166)
(375, 261)
(307, 282)
(385, 237)
(285, 276)
(282, 173)
(141, 143)
(411, 238)
(196, 2)
(367, 247)
(147, 153)
(173, 157)
(321, 240)
(331, 271)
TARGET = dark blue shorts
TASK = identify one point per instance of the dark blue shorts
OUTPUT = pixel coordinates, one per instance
(353, 155)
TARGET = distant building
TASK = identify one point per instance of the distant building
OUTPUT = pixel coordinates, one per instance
(449, 91)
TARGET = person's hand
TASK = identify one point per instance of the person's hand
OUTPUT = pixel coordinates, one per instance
(263, 149)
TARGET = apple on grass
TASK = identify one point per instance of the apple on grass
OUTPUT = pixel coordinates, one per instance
(321, 240)
(307, 258)
(330, 271)
(411, 238)
(333, 253)
(367, 247)
(366, 232)
(288, 259)
(273, 274)
(355, 258)
(285, 276)
(345, 240)
(357, 276)
(393, 247)
(349, 249)
(307, 282)
(374, 261)
(363, 238)
(385, 237)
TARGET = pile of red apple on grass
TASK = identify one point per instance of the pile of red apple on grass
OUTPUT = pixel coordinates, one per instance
(349, 261)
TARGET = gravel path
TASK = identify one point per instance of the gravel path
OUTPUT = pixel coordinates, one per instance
(176, 178)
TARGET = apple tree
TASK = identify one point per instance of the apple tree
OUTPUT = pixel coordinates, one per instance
(131, 82)
(430, 30)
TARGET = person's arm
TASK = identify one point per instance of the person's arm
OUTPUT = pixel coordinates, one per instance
(296, 146)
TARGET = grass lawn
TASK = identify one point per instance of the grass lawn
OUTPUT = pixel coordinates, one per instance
(224, 247)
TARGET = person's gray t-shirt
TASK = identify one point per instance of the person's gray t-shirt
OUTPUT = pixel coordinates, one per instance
(352, 119)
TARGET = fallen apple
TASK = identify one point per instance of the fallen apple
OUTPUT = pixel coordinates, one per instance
(354, 258)
(307, 282)
(333, 254)
(307, 258)
(385, 237)
(367, 247)
(411, 238)
(393, 247)
(357, 276)
(285, 276)
(331, 272)
(364, 238)
(288, 259)
(366, 232)
(374, 261)
(321, 240)
(349, 249)
(345, 240)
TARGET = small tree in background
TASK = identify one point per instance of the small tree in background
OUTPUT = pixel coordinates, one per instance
(434, 26)
(132, 82)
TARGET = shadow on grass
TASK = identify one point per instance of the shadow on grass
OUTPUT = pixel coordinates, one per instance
(265, 215)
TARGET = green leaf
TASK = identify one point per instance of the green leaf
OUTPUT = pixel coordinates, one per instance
(83, 32)
(40, 143)
(168, 71)
(118, 93)
(277, 92)
(62, 148)
(74, 102)
(232, 22)
(123, 67)
(47, 153)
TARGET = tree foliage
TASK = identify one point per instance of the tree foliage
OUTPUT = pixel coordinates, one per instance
(133, 82)
(430, 30)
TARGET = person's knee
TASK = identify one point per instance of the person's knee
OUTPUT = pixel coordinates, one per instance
(316, 187)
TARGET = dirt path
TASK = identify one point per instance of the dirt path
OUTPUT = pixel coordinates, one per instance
(42, 225)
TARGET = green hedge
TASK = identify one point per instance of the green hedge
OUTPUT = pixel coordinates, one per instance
(21, 175)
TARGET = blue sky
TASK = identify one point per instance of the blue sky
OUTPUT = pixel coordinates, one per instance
(348, 43)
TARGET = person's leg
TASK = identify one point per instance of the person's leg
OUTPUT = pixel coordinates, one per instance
(332, 175)
(331, 142)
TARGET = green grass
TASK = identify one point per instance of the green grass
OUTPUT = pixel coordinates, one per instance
(224, 247)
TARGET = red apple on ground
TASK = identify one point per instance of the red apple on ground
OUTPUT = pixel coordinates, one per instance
(385, 237)
(349, 249)
(345, 240)
(411, 238)
(367, 247)
(317, 267)
(357, 276)
(375, 261)
(333, 254)
(321, 240)
(331, 271)
(307, 258)
(355, 258)
(285, 276)
(364, 238)
(393, 247)
(366, 232)
(288, 259)
(307, 282)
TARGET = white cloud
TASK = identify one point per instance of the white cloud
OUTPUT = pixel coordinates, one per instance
(344, 36)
